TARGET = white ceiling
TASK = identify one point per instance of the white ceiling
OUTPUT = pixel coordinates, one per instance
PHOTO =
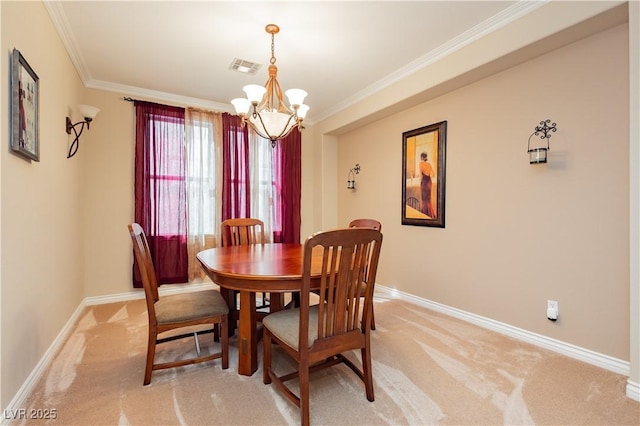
(337, 51)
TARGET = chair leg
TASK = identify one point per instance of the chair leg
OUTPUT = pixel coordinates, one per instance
(295, 299)
(264, 301)
(216, 332)
(366, 371)
(266, 357)
(195, 339)
(224, 332)
(373, 319)
(304, 392)
(151, 353)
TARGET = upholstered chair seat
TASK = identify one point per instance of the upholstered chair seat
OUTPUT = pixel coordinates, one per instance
(189, 306)
(285, 325)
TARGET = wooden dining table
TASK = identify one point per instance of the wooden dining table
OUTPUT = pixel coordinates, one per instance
(251, 269)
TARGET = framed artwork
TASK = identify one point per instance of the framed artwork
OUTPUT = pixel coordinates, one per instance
(423, 175)
(25, 138)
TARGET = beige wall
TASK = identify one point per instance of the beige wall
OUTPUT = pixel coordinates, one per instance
(107, 191)
(41, 230)
(516, 234)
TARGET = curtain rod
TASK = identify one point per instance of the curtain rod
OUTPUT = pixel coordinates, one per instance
(130, 99)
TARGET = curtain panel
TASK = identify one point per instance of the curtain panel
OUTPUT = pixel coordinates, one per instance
(160, 189)
(204, 192)
(236, 187)
(288, 183)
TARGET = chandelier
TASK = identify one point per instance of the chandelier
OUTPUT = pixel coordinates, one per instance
(264, 109)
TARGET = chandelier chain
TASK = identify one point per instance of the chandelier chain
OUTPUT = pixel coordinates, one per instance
(273, 48)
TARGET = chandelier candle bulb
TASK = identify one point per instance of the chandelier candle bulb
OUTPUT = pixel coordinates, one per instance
(241, 105)
(254, 93)
(296, 97)
(302, 111)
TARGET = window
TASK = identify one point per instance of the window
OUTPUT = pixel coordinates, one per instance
(201, 178)
(166, 178)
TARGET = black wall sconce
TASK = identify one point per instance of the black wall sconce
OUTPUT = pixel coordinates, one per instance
(89, 113)
(351, 179)
(538, 154)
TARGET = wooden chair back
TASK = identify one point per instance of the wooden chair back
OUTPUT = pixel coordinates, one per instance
(145, 266)
(349, 262)
(242, 231)
(365, 223)
(239, 232)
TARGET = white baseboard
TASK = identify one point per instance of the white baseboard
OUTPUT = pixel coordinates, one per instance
(594, 358)
(139, 294)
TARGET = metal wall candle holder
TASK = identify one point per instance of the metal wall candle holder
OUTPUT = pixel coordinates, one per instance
(351, 179)
(538, 154)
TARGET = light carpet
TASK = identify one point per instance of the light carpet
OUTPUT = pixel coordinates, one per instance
(428, 369)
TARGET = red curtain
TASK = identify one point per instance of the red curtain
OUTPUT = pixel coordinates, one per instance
(160, 189)
(288, 171)
(236, 195)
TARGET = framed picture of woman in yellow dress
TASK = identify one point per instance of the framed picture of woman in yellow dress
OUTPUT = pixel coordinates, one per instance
(423, 175)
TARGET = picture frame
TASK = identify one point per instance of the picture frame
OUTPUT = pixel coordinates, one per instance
(25, 96)
(424, 175)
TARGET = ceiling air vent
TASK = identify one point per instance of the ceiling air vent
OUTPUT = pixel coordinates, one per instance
(243, 66)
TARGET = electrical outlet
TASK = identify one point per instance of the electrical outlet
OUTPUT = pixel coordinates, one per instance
(552, 310)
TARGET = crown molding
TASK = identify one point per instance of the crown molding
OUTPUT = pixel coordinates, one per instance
(61, 24)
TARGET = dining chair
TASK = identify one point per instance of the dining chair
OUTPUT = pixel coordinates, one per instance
(317, 336)
(242, 231)
(367, 223)
(177, 311)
